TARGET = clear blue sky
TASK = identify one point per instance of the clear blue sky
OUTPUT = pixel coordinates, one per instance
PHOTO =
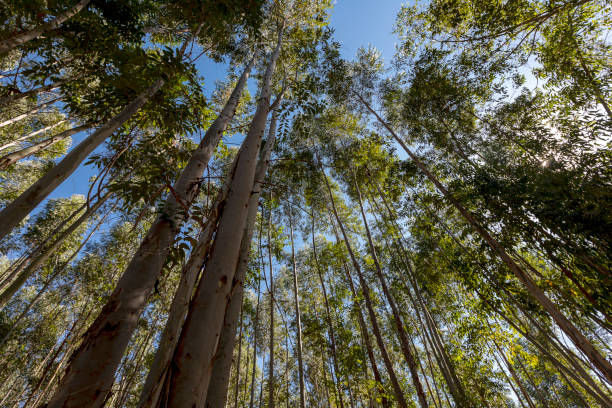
(356, 23)
(361, 22)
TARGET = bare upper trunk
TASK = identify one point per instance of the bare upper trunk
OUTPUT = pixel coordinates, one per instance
(217, 389)
(193, 357)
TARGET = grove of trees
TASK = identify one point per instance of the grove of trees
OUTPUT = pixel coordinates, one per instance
(317, 231)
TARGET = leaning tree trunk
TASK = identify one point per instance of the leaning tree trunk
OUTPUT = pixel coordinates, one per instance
(90, 374)
(401, 332)
(192, 366)
(399, 395)
(444, 362)
(216, 396)
(255, 332)
(17, 210)
(579, 340)
(157, 376)
(11, 158)
(25, 36)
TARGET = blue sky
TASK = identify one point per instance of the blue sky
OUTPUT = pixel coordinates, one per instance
(362, 22)
(356, 23)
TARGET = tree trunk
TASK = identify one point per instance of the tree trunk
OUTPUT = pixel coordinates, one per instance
(429, 329)
(50, 279)
(401, 332)
(48, 366)
(178, 309)
(579, 340)
(516, 378)
(193, 357)
(91, 370)
(17, 210)
(364, 330)
(255, 331)
(239, 361)
(332, 336)
(11, 158)
(399, 395)
(296, 301)
(222, 362)
(271, 383)
(25, 36)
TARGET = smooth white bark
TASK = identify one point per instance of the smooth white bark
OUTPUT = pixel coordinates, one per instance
(193, 358)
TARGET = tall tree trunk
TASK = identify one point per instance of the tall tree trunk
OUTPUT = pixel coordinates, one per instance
(17, 210)
(271, 379)
(239, 361)
(364, 330)
(156, 377)
(56, 273)
(30, 135)
(193, 357)
(516, 378)
(32, 111)
(42, 256)
(56, 352)
(13, 157)
(25, 36)
(582, 380)
(255, 332)
(429, 329)
(401, 332)
(399, 395)
(510, 381)
(332, 335)
(90, 373)
(219, 382)
(579, 340)
(296, 301)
